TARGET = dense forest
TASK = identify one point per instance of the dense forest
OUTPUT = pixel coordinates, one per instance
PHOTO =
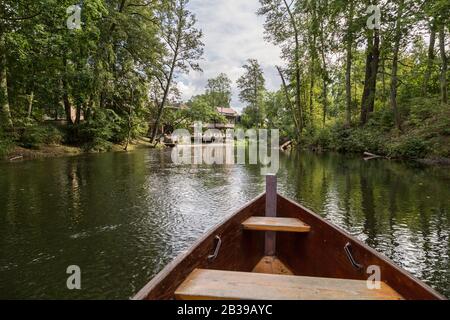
(358, 75)
(107, 68)
(361, 75)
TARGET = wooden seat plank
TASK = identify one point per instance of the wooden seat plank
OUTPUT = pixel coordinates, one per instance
(228, 285)
(275, 224)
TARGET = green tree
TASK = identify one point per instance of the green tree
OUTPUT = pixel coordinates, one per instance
(219, 91)
(200, 109)
(282, 28)
(252, 87)
(183, 48)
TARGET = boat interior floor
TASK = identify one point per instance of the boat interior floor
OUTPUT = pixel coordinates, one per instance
(271, 279)
(272, 265)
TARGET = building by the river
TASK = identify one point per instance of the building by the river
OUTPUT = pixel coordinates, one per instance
(231, 116)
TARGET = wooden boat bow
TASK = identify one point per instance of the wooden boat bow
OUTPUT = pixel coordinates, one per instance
(274, 248)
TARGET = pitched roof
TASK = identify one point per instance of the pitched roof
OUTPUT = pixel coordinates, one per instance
(178, 106)
(227, 111)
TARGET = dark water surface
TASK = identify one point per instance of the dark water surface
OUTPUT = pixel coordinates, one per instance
(122, 217)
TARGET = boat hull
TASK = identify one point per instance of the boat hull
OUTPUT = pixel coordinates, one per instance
(317, 253)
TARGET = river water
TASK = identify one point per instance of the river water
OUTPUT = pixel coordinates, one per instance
(121, 217)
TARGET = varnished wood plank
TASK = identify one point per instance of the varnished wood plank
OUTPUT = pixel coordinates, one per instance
(272, 265)
(271, 211)
(275, 224)
(215, 284)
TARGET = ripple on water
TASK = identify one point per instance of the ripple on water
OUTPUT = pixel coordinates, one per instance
(123, 217)
(95, 231)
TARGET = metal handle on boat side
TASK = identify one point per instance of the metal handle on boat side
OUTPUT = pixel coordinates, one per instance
(216, 251)
(347, 249)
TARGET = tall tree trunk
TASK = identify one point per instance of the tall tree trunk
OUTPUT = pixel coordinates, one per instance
(312, 83)
(366, 90)
(348, 71)
(311, 98)
(444, 83)
(166, 92)
(30, 104)
(383, 81)
(78, 112)
(348, 85)
(31, 95)
(324, 78)
(370, 84)
(394, 77)
(288, 100)
(79, 101)
(297, 66)
(66, 100)
(298, 84)
(313, 55)
(431, 57)
(374, 71)
(67, 104)
(130, 120)
(176, 50)
(5, 110)
(325, 101)
(163, 103)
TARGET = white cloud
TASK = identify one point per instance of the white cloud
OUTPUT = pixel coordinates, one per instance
(233, 33)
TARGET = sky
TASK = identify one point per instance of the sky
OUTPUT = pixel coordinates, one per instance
(233, 33)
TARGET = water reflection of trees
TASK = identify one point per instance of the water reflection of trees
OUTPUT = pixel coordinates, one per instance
(399, 209)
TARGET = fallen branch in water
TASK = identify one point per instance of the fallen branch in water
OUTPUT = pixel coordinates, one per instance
(286, 145)
(16, 158)
(369, 156)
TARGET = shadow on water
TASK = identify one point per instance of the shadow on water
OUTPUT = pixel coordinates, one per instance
(122, 217)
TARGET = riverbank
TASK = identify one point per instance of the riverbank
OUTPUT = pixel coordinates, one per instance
(17, 153)
(424, 136)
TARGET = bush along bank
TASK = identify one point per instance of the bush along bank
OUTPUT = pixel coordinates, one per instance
(425, 135)
(103, 133)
